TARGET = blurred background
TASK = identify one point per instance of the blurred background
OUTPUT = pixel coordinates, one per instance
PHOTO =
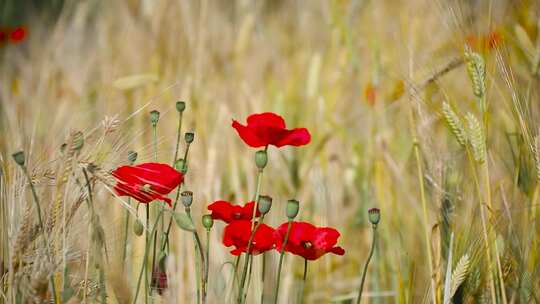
(367, 78)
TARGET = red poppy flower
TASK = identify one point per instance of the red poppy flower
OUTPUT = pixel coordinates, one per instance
(227, 212)
(237, 234)
(18, 34)
(308, 241)
(269, 129)
(159, 280)
(147, 182)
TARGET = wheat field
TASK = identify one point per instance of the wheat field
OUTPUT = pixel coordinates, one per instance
(426, 110)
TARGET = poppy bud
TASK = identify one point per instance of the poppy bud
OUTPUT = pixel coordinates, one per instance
(78, 141)
(180, 166)
(187, 198)
(162, 257)
(189, 137)
(19, 158)
(265, 202)
(154, 117)
(261, 159)
(132, 157)
(207, 221)
(374, 215)
(292, 208)
(138, 227)
(63, 147)
(180, 106)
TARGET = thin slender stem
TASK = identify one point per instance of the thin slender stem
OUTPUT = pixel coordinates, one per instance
(146, 244)
(427, 229)
(126, 229)
(154, 132)
(263, 273)
(199, 249)
(207, 265)
(484, 226)
(166, 241)
(178, 136)
(281, 255)
(304, 279)
(364, 272)
(144, 265)
(42, 227)
(249, 257)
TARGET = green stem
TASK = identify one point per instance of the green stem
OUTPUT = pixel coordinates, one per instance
(178, 136)
(154, 133)
(281, 255)
(146, 244)
(207, 265)
(263, 272)
(364, 272)
(249, 257)
(304, 278)
(199, 249)
(126, 229)
(42, 227)
(144, 265)
(166, 241)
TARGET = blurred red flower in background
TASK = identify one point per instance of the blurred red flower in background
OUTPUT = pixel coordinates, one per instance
(269, 129)
(147, 182)
(308, 241)
(227, 212)
(18, 34)
(237, 234)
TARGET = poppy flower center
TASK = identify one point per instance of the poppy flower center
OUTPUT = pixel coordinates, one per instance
(237, 215)
(307, 244)
(146, 188)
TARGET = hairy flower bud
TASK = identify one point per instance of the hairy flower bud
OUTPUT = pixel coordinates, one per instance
(261, 159)
(187, 198)
(265, 203)
(292, 208)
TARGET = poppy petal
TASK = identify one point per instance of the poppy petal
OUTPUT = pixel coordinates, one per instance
(248, 136)
(294, 137)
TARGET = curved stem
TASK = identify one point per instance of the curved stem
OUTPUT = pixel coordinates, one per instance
(249, 257)
(42, 227)
(143, 268)
(364, 272)
(304, 279)
(206, 267)
(126, 229)
(281, 255)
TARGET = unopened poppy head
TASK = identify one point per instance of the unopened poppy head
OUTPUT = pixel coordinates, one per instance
(308, 241)
(268, 128)
(237, 234)
(147, 182)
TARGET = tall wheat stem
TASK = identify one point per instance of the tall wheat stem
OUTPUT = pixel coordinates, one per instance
(427, 229)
